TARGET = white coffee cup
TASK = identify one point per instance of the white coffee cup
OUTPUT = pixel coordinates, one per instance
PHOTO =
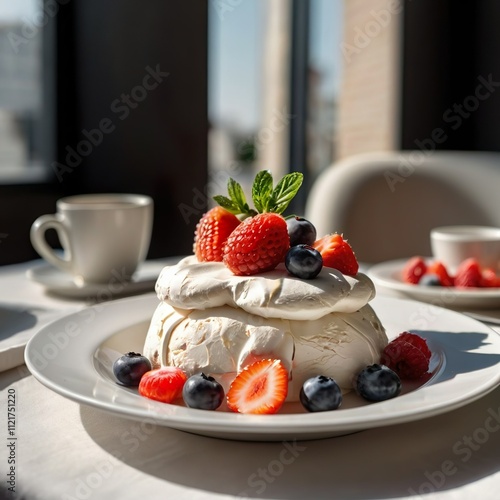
(103, 235)
(453, 244)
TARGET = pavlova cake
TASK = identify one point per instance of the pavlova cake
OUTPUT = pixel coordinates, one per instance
(263, 306)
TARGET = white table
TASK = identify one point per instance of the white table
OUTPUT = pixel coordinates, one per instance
(67, 451)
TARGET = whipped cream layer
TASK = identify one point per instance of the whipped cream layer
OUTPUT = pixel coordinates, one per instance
(275, 294)
(221, 341)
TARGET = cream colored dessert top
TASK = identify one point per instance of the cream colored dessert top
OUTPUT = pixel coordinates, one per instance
(276, 294)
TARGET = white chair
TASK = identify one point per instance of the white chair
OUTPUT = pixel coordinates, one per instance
(385, 203)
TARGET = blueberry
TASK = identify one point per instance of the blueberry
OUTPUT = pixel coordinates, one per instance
(129, 368)
(320, 394)
(430, 280)
(301, 231)
(377, 383)
(203, 392)
(303, 261)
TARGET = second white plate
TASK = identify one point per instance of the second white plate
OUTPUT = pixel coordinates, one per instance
(387, 275)
(465, 366)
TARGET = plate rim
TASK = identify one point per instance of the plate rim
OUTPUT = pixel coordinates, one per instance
(227, 424)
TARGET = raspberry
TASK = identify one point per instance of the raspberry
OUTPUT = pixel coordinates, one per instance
(407, 356)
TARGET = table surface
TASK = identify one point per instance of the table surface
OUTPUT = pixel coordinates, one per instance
(64, 450)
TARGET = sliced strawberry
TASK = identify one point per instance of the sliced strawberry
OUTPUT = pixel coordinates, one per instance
(413, 270)
(260, 388)
(212, 232)
(337, 253)
(257, 245)
(468, 274)
(163, 384)
(489, 278)
(439, 269)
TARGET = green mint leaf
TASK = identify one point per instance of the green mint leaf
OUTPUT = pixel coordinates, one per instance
(261, 190)
(227, 204)
(238, 197)
(284, 192)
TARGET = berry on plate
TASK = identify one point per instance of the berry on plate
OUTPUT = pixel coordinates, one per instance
(413, 270)
(468, 274)
(129, 368)
(211, 234)
(337, 253)
(163, 384)
(430, 280)
(260, 388)
(489, 278)
(438, 268)
(408, 355)
(300, 231)
(303, 261)
(202, 392)
(377, 383)
(320, 394)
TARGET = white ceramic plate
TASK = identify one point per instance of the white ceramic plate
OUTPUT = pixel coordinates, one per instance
(58, 282)
(387, 275)
(73, 356)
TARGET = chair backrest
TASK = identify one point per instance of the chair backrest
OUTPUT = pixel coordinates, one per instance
(386, 203)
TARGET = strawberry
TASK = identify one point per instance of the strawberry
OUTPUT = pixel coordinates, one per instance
(413, 270)
(260, 387)
(259, 244)
(337, 253)
(407, 355)
(489, 278)
(468, 274)
(212, 232)
(439, 269)
(163, 384)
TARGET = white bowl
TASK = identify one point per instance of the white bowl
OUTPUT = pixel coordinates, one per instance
(453, 244)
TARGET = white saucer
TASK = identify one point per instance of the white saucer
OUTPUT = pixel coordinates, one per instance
(60, 283)
(387, 275)
(464, 365)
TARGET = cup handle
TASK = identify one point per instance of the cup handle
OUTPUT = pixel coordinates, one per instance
(37, 236)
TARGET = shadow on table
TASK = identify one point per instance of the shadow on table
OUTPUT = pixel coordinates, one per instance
(436, 454)
(14, 320)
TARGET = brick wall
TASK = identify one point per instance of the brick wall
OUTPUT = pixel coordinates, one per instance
(370, 89)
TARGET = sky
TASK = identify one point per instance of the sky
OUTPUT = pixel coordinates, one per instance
(236, 47)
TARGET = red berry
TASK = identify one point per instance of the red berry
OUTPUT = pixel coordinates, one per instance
(413, 270)
(260, 388)
(163, 384)
(257, 245)
(337, 253)
(489, 278)
(212, 231)
(439, 269)
(468, 274)
(408, 356)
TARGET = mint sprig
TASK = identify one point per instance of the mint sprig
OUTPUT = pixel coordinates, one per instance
(265, 197)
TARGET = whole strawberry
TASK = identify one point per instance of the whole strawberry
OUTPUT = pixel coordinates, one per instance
(212, 232)
(259, 244)
(261, 241)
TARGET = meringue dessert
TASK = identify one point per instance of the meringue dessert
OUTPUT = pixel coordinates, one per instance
(212, 321)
